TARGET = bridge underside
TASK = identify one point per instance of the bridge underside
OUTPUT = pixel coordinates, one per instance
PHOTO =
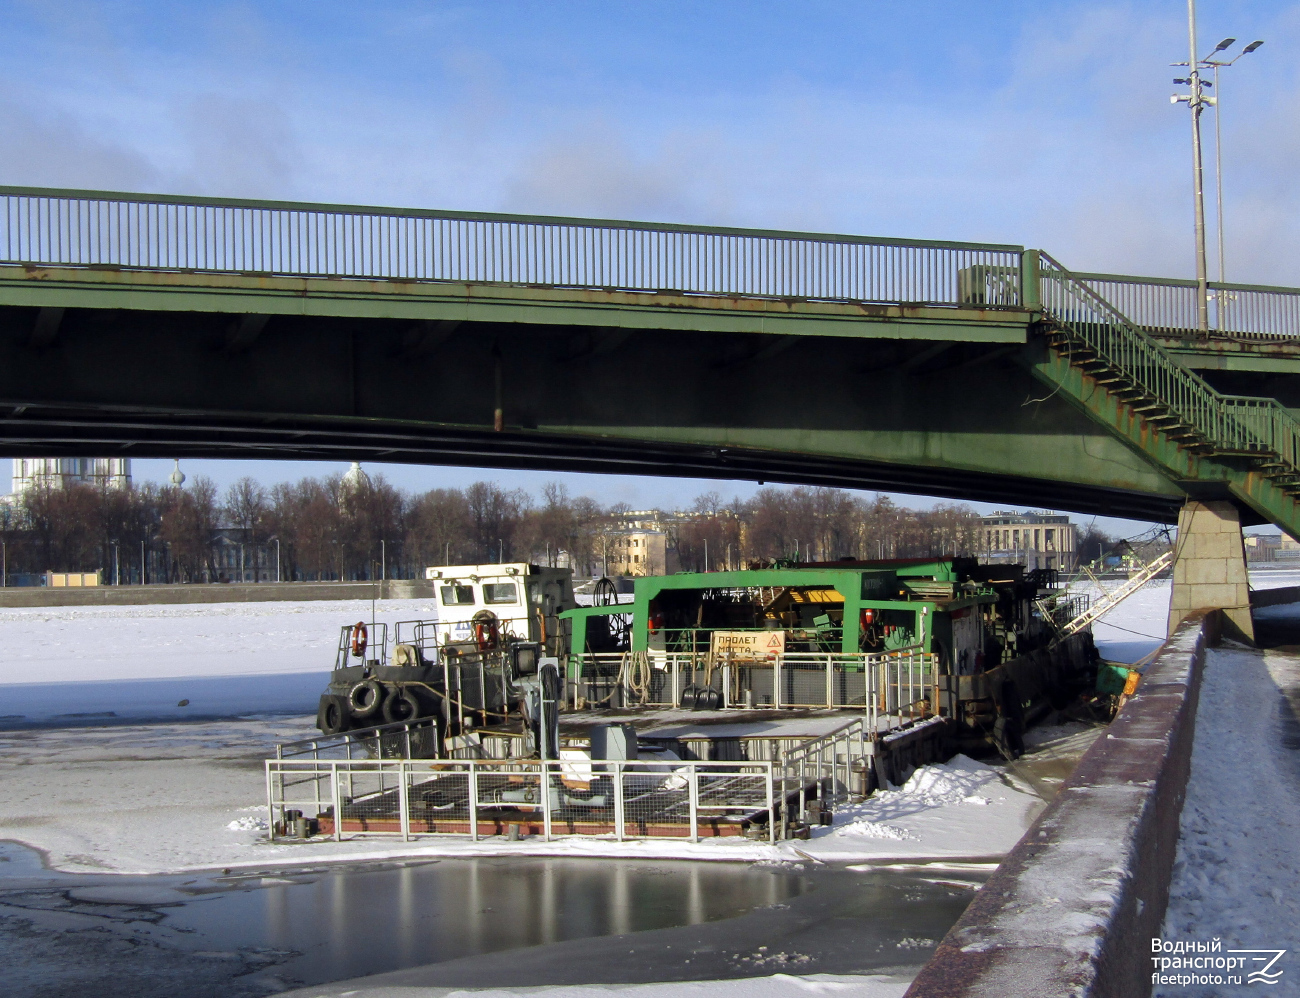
(908, 400)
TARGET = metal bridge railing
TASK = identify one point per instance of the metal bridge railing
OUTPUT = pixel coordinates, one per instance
(1226, 423)
(158, 232)
(1166, 307)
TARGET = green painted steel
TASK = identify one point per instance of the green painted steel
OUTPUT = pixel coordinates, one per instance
(1248, 447)
(1198, 472)
(140, 232)
(1167, 308)
(912, 341)
(861, 586)
(155, 291)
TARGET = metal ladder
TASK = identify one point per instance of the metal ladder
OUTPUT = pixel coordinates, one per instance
(1110, 600)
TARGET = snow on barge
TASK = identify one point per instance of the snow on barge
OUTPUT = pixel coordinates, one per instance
(717, 704)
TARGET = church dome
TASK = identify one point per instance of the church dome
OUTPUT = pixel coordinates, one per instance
(355, 478)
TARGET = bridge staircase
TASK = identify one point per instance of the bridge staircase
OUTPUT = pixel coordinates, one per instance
(1212, 445)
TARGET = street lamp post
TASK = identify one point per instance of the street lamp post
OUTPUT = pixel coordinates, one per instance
(1216, 65)
(1196, 101)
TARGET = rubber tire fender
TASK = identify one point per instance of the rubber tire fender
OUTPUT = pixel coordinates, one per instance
(401, 704)
(332, 717)
(365, 698)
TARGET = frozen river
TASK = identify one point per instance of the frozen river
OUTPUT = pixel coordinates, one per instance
(101, 776)
(562, 921)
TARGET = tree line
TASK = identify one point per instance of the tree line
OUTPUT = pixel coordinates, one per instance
(349, 527)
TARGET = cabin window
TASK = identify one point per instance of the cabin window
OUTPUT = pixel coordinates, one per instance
(457, 595)
(499, 592)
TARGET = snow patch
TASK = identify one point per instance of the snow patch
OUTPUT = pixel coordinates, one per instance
(82, 643)
(958, 808)
(775, 986)
(876, 830)
(1237, 870)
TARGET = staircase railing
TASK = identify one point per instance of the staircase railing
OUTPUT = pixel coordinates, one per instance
(1228, 423)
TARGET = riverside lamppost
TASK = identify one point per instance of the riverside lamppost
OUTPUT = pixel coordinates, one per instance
(1214, 65)
(1196, 101)
(1218, 64)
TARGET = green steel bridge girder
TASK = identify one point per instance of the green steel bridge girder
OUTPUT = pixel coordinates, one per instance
(265, 295)
(1200, 476)
(972, 429)
(945, 418)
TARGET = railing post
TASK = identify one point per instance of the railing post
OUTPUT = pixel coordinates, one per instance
(473, 802)
(693, 799)
(545, 798)
(830, 681)
(771, 805)
(776, 682)
(404, 800)
(337, 800)
(620, 816)
(316, 790)
(803, 788)
(270, 802)
(1030, 297)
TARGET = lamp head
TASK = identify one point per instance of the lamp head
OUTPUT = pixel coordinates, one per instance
(1252, 46)
(1224, 44)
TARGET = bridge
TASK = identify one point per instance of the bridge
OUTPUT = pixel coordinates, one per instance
(154, 325)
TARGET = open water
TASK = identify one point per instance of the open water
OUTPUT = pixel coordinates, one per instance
(457, 923)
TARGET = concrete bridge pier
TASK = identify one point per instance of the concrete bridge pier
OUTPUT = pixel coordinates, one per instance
(1210, 568)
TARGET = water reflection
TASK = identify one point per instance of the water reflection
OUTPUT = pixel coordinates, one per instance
(349, 923)
(564, 921)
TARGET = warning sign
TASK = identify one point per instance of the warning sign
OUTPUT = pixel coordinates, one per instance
(747, 646)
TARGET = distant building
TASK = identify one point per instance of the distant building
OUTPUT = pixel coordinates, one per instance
(1035, 539)
(236, 557)
(63, 472)
(635, 552)
(1269, 547)
(1287, 548)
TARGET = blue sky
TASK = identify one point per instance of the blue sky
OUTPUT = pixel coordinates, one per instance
(1041, 123)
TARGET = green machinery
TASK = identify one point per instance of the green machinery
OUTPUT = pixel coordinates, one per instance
(975, 643)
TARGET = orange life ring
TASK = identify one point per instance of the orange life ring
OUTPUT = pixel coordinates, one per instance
(485, 634)
(360, 637)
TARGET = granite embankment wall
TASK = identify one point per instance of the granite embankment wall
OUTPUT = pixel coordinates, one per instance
(214, 593)
(1074, 906)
